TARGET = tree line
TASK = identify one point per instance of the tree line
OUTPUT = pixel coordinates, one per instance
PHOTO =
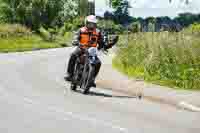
(36, 13)
(58, 13)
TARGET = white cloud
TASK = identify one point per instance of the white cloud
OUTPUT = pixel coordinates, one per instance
(146, 8)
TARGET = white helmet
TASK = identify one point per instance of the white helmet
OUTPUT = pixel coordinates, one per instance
(91, 19)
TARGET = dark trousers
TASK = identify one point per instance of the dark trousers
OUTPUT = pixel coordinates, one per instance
(72, 62)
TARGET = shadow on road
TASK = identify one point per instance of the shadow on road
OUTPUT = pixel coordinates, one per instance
(92, 93)
(100, 94)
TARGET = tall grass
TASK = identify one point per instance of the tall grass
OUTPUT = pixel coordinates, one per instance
(171, 59)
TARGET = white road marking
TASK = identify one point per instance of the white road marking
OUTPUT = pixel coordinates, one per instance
(189, 106)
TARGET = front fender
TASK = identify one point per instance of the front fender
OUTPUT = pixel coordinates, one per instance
(93, 60)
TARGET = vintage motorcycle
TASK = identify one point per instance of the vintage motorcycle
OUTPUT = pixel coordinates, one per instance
(84, 70)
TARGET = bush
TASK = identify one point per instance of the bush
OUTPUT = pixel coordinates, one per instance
(65, 40)
(8, 30)
(59, 36)
(135, 27)
(62, 31)
(68, 37)
(68, 26)
(74, 24)
(45, 34)
(110, 26)
(195, 27)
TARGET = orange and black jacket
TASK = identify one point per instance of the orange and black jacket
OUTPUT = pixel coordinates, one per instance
(85, 38)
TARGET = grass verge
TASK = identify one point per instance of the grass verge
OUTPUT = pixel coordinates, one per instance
(18, 38)
(167, 59)
(29, 43)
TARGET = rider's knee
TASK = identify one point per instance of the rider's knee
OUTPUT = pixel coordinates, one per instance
(73, 55)
(98, 65)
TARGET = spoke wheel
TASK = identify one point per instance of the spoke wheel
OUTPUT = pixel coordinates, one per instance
(75, 78)
(87, 78)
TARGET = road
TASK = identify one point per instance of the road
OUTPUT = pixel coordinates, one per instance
(35, 99)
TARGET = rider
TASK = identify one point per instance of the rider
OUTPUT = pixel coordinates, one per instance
(87, 36)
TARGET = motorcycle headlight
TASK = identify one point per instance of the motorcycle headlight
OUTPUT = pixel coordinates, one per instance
(92, 51)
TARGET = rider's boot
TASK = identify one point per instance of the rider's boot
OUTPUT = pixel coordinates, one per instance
(70, 68)
(68, 77)
(93, 84)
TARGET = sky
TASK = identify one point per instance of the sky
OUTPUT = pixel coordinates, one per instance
(146, 8)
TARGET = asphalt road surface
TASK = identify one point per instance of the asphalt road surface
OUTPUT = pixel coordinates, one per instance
(35, 99)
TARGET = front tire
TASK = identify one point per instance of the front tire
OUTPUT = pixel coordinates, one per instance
(75, 78)
(87, 79)
(73, 87)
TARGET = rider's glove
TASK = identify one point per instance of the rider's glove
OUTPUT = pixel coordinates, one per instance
(75, 43)
(113, 41)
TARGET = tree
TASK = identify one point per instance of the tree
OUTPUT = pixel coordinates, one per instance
(109, 16)
(69, 10)
(34, 13)
(151, 21)
(185, 19)
(135, 27)
(121, 11)
(115, 3)
(83, 7)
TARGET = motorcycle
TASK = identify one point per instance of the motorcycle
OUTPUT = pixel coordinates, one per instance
(84, 70)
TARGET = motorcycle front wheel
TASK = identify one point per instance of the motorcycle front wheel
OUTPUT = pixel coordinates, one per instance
(87, 77)
(75, 78)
